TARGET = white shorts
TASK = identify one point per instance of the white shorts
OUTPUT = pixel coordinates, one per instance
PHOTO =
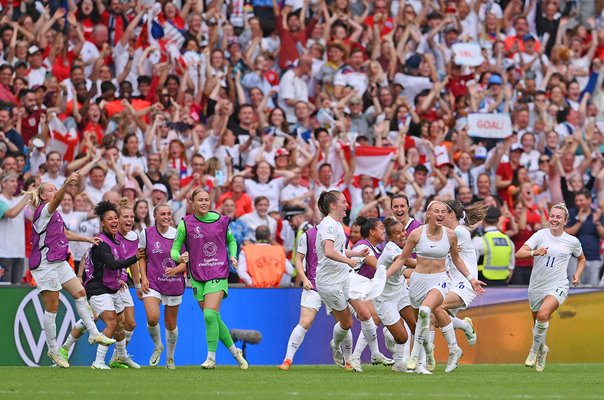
(388, 309)
(536, 299)
(335, 297)
(126, 297)
(421, 284)
(464, 290)
(106, 302)
(310, 299)
(52, 276)
(164, 299)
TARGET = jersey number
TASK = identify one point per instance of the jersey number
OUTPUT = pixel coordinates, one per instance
(550, 262)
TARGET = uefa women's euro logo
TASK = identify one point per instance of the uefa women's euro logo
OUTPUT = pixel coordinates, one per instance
(198, 234)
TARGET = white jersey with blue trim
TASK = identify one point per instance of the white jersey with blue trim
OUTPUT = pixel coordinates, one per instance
(467, 252)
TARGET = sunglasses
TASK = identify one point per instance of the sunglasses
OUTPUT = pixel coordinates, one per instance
(544, 160)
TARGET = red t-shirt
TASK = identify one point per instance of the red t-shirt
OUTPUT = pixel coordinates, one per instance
(385, 28)
(291, 41)
(243, 205)
(506, 173)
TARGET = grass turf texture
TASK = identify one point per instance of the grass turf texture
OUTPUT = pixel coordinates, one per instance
(559, 381)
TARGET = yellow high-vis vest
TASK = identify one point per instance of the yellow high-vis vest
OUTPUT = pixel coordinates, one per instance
(497, 256)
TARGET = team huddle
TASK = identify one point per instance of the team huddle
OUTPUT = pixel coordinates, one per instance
(401, 274)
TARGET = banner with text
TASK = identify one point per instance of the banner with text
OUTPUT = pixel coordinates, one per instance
(490, 126)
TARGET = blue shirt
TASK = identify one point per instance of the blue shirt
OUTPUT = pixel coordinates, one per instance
(587, 235)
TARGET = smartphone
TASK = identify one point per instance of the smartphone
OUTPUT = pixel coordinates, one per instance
(382, 189)
(219, 175)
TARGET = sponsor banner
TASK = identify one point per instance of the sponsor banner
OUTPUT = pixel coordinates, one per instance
(502, 319)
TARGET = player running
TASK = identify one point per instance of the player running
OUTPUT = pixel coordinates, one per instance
(49, 267)
(552, 249)
(430, 283)
(461, 294)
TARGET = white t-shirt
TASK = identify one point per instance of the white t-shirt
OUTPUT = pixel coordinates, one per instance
(87, 228)
(271, 190)
(292, 87)
(58, 181)
(394, 284)
(549, 271)
(253, 220)
(292, 191)
(12, 232)
(330, 272)
(96, 195)
(467, 252)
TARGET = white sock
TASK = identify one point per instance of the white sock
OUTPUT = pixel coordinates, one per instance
(212, 355)
(120, 348)
(431, 335)
(86, 314)
(399, 353)
(171, 339)
(50, 328)
(388, 335)
(233, 350)
(128, 336)
(69, 342)
(347, 346)
(421, 333)
(101, 352)
(339, 334)
(295, 340)
(360, 346)
(370, 332)
(155, 334)
(449, 334)
(407, 349)
(461, 324)
(539, 332)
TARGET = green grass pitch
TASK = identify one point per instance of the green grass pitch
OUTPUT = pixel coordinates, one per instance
(558, 381)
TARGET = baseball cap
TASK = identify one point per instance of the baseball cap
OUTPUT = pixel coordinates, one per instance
(33, 50)
(528, 37)
(39, 143)
(161, 187)
(130, 185)
(413, 61)
(495, 80)
(516, 147)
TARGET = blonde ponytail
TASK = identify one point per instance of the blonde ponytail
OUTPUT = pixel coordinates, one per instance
(35, 194)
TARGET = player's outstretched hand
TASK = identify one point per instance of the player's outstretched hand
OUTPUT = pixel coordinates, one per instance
(478, 286)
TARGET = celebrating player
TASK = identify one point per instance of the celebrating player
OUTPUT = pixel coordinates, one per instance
(430, 283)
(310, 302)
(103, 283)
(162, 282)
(208, 239)
(393, 304)
(372, 233)
(49, 267)
(548, 288)
(333, 275)
(461, 294)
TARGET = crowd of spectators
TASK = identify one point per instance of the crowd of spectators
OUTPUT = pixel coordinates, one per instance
(264, 103)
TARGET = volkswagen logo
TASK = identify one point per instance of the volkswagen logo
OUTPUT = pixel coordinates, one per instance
(30, 337)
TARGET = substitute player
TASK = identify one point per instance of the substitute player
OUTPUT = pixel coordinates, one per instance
(209, 242)
(50, 269)
(310, 301)
(163, 282)
(104, 265)
(461, 294)
(552, 249)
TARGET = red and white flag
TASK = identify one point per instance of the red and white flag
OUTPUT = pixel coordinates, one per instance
(372, 161)
(61, 139)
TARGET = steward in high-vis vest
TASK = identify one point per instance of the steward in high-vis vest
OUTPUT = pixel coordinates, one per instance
(262, 264)
(296, 217)
(495, 252)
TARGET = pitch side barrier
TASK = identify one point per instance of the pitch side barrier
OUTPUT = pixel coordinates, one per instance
(501, 317)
